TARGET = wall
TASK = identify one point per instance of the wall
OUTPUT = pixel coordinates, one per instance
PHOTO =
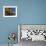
(7, 25)
(29, 12)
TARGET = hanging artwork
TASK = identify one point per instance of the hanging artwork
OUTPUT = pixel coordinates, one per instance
(9, 11)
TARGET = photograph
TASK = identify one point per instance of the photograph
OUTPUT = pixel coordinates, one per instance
(9, 11)
(29, 33)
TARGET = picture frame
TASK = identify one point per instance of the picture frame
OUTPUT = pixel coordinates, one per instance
(9, 11)
(39, 28)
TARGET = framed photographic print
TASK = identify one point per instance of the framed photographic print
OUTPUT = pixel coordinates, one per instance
(9, 11)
